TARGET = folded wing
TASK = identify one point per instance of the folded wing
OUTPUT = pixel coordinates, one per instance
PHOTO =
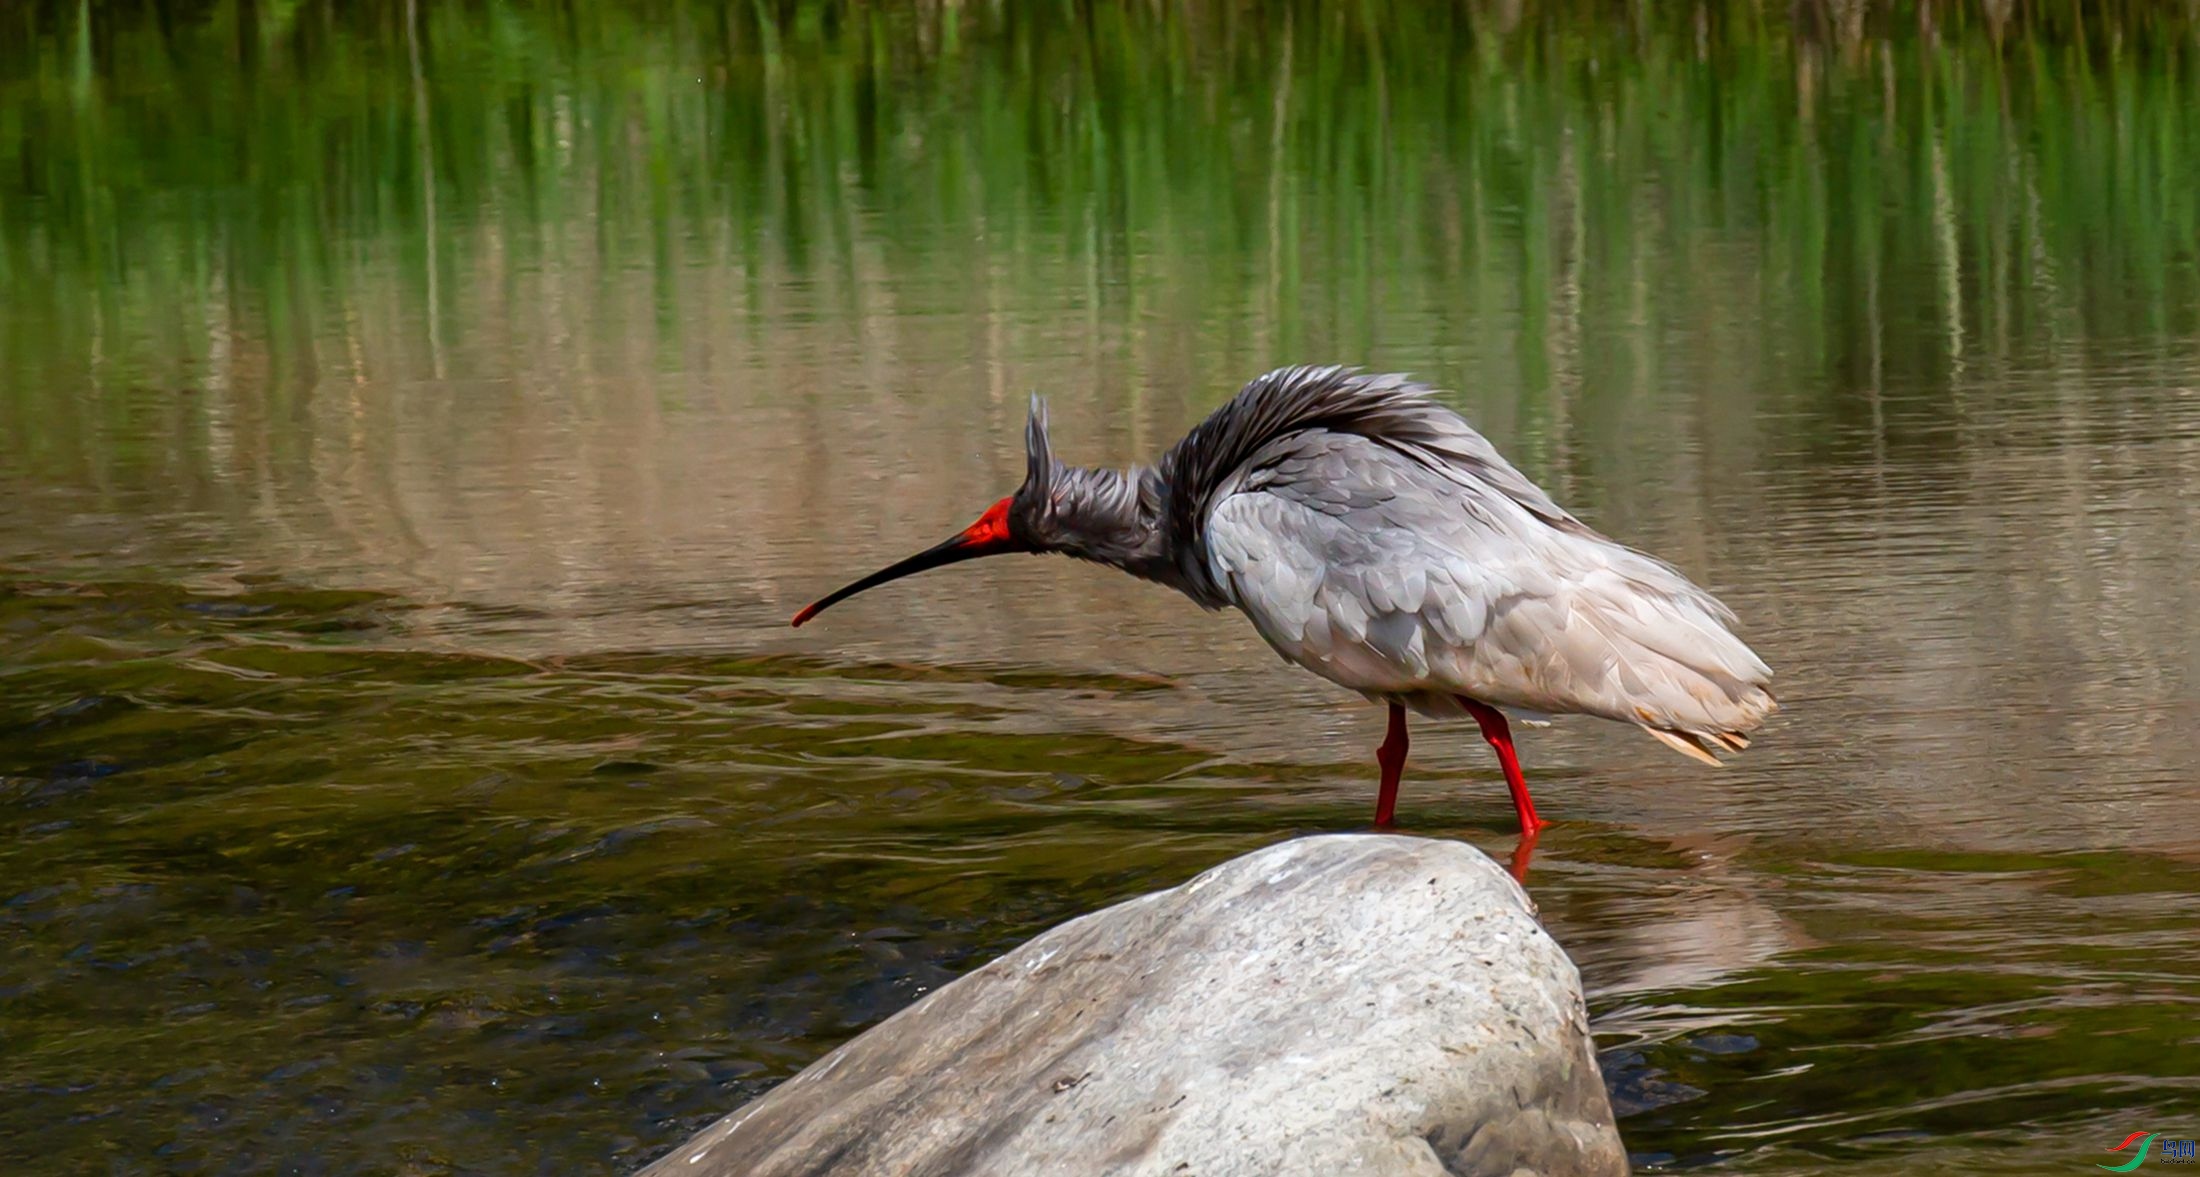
(1426, 568)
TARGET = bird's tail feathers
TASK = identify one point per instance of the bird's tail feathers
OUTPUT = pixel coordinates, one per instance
(1685, 743)
(1683, 675)
(1699, 745)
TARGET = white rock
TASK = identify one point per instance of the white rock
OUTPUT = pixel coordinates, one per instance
(1336, 1004)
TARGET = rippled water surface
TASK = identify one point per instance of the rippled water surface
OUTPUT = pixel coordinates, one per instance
(416, 427)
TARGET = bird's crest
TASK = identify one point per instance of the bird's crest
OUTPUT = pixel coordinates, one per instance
(1038, 451)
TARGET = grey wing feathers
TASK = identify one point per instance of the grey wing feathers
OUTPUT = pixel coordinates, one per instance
(1420, 565)
(1289, 401)
(1237, 439)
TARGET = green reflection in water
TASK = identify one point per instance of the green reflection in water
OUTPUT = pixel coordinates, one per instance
(289, 881)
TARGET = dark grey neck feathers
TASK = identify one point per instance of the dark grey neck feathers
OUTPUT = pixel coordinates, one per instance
(1109, 517)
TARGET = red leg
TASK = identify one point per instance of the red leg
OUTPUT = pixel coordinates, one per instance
(1499, 734)
(1392, 756)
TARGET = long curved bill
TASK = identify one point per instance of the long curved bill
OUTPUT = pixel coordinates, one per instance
(987, 537)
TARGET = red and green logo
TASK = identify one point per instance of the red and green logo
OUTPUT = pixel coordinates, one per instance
(2141, 1155)
(2172, 1152)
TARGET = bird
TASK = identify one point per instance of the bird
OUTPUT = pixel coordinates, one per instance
(1373, 537)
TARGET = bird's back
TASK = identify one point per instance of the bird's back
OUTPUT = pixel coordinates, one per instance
(1375, 538)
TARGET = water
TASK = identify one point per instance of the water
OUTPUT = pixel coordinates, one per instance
(416, 427)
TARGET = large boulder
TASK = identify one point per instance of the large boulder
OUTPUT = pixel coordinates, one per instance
(1335, 1004)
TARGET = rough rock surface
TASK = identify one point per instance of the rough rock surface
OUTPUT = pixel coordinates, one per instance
(1337, 1004)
